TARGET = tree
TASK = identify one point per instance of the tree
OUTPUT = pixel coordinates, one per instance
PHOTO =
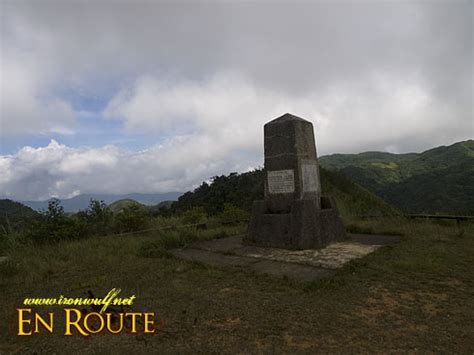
(54, 225)
(132, 218)
(97, 216)
(232, 214)
(194, 216)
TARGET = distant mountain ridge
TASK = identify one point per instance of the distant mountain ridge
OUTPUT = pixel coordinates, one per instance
(439, 180)
(81, 202)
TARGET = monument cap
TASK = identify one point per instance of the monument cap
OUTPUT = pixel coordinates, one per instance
(287, 117)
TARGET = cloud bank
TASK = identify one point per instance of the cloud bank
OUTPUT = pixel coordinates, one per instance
(60, 171)
(198, 80)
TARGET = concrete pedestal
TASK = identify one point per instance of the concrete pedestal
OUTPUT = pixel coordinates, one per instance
(305, 226)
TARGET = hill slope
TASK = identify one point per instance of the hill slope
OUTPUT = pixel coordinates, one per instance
(242, 189)
(14, 215)
(120, 205)
(437, 180)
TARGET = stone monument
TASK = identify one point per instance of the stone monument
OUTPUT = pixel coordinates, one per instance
(293, 214)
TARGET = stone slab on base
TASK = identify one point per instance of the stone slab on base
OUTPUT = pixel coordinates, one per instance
(300, 265)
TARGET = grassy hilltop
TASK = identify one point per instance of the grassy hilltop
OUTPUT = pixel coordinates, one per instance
(410, 297)
(439, 180)
(120, 205)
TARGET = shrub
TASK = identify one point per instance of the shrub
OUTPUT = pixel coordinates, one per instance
(132, 218)
(232, 214)
(54, 225)
(152, 249)
(169, 240)
(166, 222)
(194, 216)
(98, 218)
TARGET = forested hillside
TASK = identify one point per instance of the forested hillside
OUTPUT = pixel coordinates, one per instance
(14, 216)
(242, 189)
(439, 180)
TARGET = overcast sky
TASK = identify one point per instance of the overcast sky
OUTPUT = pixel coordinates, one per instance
(122, 96)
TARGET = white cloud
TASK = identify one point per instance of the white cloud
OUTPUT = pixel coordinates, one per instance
(227, 134)
(229, 110)
(27, 104)
(289, 51)
(61, 171)
(204, 77)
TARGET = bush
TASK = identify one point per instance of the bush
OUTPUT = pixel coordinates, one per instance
(232, 214)
(97, 217)
(194, 216)
(13, 241)
(132, 218)
(171, 239)
(152, 249)
(54, 225)
(165, 222)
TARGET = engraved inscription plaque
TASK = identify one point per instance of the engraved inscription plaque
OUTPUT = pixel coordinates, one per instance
(310, 177)
(281, 182)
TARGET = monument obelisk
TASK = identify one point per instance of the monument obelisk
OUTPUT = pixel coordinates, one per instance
(293, 214)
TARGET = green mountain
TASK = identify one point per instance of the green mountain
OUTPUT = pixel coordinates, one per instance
(120, 205)
(439, 180)
(242, 189)
(162, 208)
(14, 215)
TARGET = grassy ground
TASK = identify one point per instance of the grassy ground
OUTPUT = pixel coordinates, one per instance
(416, 296)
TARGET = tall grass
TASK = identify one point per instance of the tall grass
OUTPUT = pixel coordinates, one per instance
(397, 225)
(34, 262)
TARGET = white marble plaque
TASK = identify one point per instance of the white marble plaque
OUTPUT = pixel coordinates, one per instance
(310, 177)
(281, 181)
